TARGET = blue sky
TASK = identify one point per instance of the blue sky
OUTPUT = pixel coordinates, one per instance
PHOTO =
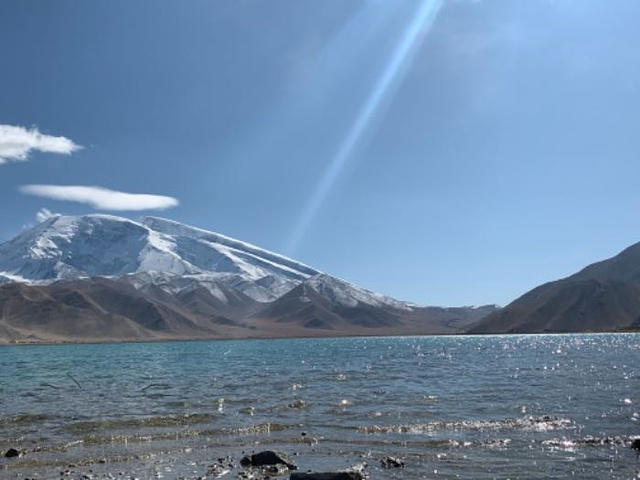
(449, 153)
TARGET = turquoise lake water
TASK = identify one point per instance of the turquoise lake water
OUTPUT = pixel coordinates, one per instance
(489, 407)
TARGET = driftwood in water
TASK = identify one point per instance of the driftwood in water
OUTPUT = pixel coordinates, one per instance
(75, 381)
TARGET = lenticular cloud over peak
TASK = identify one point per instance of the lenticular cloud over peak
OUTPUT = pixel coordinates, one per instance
(101, 198)
(16, 143)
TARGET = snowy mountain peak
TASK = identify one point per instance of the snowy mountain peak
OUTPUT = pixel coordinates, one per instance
(170, 255)
(243, 250)
(65, 247)
(69, 247)
(349, 295)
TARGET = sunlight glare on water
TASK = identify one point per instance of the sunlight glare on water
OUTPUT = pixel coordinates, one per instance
(469, 407)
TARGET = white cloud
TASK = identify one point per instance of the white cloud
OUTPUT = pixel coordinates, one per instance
(16, 143)
(44, 214)
(101, 198)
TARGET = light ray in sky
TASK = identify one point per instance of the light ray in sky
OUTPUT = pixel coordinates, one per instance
(318, 81)
(391, 76)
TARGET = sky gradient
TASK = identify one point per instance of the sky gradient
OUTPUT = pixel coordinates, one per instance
(455, 152)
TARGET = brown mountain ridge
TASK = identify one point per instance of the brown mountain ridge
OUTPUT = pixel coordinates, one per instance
(102, 309)
(603, 297)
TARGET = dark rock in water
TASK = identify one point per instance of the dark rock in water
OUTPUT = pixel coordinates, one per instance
(298, 404)
(12, 452)
(345, 475)
(279, 469)
(268, 457)
(636, 444)
(391, 462)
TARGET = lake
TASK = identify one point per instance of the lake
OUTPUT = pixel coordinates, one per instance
(534, 407)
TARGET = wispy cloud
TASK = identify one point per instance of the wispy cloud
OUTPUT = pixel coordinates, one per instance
(101, 198)
(16, 143)
(44, 214)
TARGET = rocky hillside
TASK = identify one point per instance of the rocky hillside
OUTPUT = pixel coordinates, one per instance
(603, 297)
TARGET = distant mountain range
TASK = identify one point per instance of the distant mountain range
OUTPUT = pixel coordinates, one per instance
(106, 278)
(603, 297)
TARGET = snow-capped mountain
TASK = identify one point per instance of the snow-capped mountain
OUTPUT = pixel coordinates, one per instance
(349, 295)
(152, 251)
(101, 277)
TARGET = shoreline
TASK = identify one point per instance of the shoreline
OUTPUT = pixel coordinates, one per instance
(20, 343)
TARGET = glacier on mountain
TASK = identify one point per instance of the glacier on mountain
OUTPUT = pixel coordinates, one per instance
(65, 247)
(165, 253)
